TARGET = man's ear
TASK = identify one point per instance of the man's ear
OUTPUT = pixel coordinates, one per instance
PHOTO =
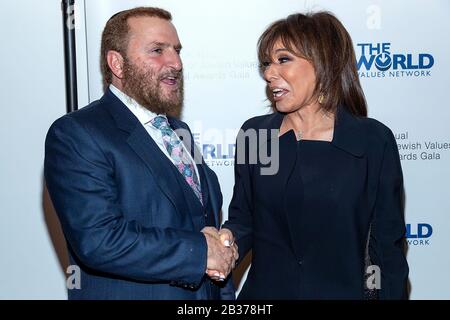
(115, 63)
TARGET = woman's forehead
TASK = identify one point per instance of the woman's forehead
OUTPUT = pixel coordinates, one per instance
(280, 45)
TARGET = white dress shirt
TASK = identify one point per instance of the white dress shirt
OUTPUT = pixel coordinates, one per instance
(145, 116)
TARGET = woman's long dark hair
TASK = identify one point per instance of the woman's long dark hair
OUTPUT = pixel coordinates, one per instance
(321, 39)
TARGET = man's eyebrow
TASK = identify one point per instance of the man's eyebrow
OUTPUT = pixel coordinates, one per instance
(166, 45)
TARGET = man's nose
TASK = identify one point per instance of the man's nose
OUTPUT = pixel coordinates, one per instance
(174, 60)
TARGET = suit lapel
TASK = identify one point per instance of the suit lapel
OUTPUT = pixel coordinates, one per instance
(170, 181)
(204, 183)
(349, 133)
(195, 154)
(160, 167)
(196, 208)
(158, 164)
(212, 196)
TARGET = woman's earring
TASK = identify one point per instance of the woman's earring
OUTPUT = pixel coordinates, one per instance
(321, 98)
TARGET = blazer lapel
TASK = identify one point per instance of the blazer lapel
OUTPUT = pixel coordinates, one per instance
(204, 183)
(161, 168)
(213, 196)
(349, 133)
(195, 154)
(197, 210)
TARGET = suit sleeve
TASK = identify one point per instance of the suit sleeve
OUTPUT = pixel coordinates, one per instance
(388, 226)
(80, 180)
(240, 212)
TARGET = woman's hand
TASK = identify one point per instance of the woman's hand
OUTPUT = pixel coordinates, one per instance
(227, 239)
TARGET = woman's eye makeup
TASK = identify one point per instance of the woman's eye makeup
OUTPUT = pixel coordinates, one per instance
(277, 59)
(283, 59)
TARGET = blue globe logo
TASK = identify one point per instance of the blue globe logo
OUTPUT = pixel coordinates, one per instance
(383, 61)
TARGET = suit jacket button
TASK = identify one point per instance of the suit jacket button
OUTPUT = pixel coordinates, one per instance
(300, 262)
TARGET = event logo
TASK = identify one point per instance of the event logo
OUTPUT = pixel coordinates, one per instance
(215, 153)
(377, 61)
(419, 234)
(218, 151)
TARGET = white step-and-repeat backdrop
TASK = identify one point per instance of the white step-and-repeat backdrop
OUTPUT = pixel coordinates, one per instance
(403, 52)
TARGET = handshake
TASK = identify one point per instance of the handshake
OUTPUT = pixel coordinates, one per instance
(222, 252)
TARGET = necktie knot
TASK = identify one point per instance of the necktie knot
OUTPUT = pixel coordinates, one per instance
(170, 138)
(160, 122)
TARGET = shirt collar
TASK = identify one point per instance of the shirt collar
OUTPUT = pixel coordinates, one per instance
(141, 113)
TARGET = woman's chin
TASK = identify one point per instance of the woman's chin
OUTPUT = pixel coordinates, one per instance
(284, 109)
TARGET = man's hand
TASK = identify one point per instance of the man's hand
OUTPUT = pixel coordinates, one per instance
(222, 243)
(227, 238)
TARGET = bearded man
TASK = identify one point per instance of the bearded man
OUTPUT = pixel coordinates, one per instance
(138, 207)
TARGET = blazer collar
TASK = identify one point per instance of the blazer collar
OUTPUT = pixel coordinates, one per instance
(123, 117)
(349, 133)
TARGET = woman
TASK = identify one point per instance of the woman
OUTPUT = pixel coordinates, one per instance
(337, 196)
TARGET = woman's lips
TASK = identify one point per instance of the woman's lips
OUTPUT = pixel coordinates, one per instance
(279, 93)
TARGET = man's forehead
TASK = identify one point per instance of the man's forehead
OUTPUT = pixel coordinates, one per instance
(153, 27)
(139, 24)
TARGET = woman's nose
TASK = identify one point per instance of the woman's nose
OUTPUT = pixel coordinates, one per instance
(270, 73)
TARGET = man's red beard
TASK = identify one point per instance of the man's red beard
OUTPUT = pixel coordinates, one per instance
(145, 87)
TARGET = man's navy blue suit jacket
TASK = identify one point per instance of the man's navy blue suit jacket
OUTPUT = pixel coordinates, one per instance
(131, 222)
